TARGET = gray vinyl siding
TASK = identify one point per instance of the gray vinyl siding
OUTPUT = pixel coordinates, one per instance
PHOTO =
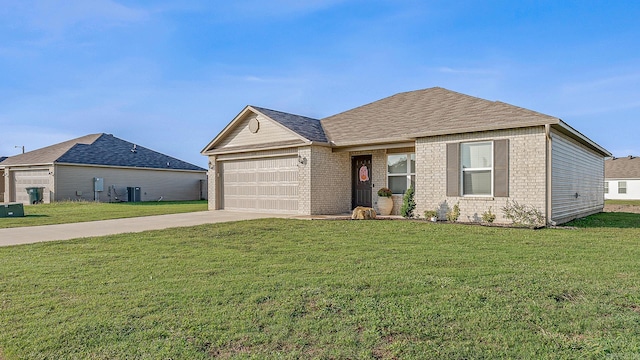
(76, 183)
(577, 180)
(2, 186)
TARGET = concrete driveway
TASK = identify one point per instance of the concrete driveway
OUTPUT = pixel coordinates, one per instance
(34, 234)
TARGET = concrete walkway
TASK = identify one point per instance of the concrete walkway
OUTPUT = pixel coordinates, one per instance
(34, 234)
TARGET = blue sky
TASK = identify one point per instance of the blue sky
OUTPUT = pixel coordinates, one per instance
(169, 75)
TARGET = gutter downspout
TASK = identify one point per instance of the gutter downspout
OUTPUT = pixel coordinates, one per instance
(549, 200)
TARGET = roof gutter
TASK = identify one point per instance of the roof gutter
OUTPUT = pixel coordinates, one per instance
(202, 170)
(564, 127)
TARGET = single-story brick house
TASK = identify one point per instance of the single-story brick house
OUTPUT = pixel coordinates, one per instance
(622, 178)
(453, 148)
(101, 167)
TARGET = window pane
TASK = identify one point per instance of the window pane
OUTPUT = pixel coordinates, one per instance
(477, 182)
(476, 155)
(413, 163)
(397, 164)
(622, 187)
(398, 184)
(606, 187)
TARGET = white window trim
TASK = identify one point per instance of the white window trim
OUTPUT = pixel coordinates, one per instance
(410, 172)
(463, 170)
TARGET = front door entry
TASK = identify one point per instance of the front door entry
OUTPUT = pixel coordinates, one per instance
(361, 181)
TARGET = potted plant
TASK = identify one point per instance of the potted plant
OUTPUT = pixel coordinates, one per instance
(385, 203)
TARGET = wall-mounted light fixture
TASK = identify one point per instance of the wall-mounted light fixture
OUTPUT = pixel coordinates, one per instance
(302, 160)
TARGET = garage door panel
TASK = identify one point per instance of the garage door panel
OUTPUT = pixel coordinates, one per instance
(265, 185)
(23, 179)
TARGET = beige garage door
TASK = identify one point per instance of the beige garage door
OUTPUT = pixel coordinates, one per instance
(264, 185)
(24, 179)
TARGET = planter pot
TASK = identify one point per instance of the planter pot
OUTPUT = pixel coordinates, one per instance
(385, 205)
(433, 219)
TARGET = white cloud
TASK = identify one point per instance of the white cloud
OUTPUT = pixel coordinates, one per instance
(281, 7)
(607, 94)
(56, 18)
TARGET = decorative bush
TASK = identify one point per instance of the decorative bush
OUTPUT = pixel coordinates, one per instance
(488, 216)
(523, 215)
(408, 204)
(454, 214)
(430, 213)
(384, 192)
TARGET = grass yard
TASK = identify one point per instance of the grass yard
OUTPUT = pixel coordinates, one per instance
(289, 289)
(79, 211)
(622, 202)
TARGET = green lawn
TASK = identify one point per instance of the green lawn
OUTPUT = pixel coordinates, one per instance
(74, 211)
(622, 202)
(294, 289)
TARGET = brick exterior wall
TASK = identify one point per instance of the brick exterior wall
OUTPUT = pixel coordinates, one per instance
(212, 175)
(325, 180)
(527, 174)
(330, 181)
(304, 181)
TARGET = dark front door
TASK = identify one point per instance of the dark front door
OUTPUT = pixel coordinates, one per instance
(361, 181)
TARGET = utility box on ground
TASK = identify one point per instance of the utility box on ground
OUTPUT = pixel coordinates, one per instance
(133, 194)
(11, 210)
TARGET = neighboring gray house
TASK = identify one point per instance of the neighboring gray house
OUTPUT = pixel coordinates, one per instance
(622, 178)
(453, 148)
(101, 167)
(2, 158)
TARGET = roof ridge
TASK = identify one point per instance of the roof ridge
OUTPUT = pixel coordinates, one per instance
(434, 88)
(306, 127)
(283, 112)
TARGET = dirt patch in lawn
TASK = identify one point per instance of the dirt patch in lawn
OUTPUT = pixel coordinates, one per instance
(622, 208)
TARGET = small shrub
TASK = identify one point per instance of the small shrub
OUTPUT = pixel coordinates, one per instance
(523, 215)
(488, 216)
(408, 204)
(428, 214)
(454, 214)
(384, 192)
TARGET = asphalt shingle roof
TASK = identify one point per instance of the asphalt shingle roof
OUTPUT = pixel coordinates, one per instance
(306, 127)
(2, 158)
(428, 112)
(49, 154)
(622, 168)
(101, 149)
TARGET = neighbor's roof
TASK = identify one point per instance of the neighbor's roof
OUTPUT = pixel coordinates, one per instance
(622, 168)
(307, 127)
(428, 112)
(2, 158)
(100, 149)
